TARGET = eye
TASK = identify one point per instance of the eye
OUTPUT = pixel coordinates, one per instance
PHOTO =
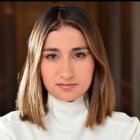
(52, 56)
(79, 55)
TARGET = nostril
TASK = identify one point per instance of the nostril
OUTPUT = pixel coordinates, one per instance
(67, 76)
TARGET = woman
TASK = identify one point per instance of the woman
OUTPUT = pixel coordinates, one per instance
(66, 90)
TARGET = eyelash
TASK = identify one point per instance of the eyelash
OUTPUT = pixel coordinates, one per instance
(78, 55)
(52, 56)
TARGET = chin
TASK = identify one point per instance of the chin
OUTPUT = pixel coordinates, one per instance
(68, 99)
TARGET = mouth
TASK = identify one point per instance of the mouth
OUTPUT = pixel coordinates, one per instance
(67, 86)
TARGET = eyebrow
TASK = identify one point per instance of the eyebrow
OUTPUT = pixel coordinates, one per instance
(73, 49)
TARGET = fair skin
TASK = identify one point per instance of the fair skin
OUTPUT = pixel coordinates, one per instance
(67, 66)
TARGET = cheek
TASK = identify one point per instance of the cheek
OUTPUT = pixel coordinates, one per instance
(43, 70)
(46, 73)
(86, 74)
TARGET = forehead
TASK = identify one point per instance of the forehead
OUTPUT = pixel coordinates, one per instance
(65, 36)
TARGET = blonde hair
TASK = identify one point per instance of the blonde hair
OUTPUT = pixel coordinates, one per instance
(32, 96)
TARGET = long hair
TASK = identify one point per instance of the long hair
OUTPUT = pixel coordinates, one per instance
(32, 95)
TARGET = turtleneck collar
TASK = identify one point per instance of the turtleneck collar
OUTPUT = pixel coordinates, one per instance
(68, 108)
(66, 116)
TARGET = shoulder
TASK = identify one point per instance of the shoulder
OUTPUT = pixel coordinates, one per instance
(122, 119)
(14, 115)
(11, 117)
(12, 126)
(6, 122)
(12, 121)
(9, 120)
(121, 122)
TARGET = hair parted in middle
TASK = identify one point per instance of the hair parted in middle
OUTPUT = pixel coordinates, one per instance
(32, 95)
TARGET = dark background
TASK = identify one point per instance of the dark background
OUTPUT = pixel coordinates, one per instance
(119, 23)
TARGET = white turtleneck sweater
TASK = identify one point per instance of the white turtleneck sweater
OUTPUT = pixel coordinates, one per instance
(65, 121)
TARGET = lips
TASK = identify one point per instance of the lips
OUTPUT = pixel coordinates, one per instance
(67, 86)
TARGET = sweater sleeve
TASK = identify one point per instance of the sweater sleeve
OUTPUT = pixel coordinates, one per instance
(4, 131)
(135, 130)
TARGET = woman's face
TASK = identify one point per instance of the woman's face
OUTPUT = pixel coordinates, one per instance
(67, 66)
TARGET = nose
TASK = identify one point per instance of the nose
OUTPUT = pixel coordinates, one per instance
(67, 71)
